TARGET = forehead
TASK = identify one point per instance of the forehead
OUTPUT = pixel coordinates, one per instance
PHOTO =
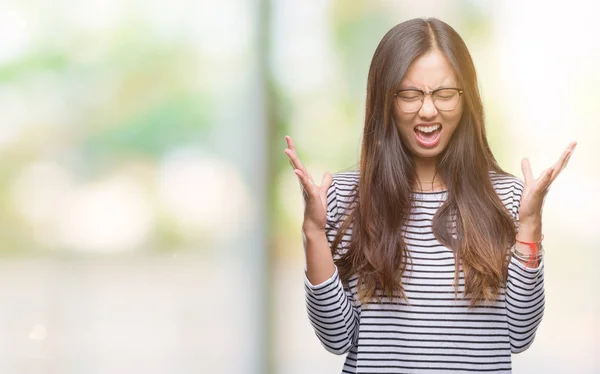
(429, 72)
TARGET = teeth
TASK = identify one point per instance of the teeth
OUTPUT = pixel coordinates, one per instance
(431, 128)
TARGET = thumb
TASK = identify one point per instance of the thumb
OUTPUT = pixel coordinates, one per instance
(526, 169)
(326, 183)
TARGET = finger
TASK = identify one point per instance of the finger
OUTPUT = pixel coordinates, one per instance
(567, 160)
(564, 160)
(303, 183)
(545, 179)
(291, 149)
(296, 164)
(303, 178)
(526, 168)
(559, 165)
(291, 145)
(308, 186)
(291, 152)
(290, 142)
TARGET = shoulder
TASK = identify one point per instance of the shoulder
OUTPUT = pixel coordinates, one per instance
(509, 188)
(505, 183)
(346, 179)
(344, 188)
(346, 183)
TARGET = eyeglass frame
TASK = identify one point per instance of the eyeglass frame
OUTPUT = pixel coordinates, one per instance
(432, 92)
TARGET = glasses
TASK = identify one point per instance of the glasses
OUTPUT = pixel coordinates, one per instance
(444, 99)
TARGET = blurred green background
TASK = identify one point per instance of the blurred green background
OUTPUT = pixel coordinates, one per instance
(150, 221)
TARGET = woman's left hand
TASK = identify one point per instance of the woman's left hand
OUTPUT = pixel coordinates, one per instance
(534, 193)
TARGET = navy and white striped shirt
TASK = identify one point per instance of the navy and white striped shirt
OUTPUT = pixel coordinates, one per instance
(435, 332)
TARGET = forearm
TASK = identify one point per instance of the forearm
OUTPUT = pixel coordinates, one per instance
(332, 313)
(330, 308)
(525, 303)
(319, 260)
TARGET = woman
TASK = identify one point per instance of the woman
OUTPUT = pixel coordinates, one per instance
(427, 259)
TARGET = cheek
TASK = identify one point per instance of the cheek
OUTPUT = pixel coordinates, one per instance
(405, 129)
(452, 124)
(404, 122)
(453, 120)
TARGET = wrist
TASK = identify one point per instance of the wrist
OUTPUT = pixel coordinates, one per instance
(530, 231)
(310, 232)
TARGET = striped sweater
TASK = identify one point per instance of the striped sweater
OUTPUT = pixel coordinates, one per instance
(434, 332)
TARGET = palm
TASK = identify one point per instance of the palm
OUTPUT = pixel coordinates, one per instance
(315, 196)
(535, 190)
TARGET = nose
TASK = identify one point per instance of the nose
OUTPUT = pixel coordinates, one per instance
(428, 109)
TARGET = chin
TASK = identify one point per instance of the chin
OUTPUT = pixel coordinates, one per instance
(428, 153)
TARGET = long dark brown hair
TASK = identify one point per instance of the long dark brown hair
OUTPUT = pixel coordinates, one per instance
(484, 229)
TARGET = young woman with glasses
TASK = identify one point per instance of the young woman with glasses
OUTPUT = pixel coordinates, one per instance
(428, 258)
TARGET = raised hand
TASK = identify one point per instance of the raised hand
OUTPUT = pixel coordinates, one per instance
(315, 196)
(535, 190)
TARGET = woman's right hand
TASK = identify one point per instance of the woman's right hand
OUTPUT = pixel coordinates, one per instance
(315, 196)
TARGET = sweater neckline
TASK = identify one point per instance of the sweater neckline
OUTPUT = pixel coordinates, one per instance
(429, 192)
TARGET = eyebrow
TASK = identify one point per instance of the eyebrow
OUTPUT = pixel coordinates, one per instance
(420, 89)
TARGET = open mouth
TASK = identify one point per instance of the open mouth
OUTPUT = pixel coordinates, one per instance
(428, 135)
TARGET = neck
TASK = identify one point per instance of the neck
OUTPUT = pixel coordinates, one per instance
(427, 177)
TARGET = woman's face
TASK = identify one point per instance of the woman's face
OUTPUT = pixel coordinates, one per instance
(427, 73)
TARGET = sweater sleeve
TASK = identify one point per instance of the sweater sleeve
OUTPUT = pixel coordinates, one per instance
(525, 297)
(330, 306)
